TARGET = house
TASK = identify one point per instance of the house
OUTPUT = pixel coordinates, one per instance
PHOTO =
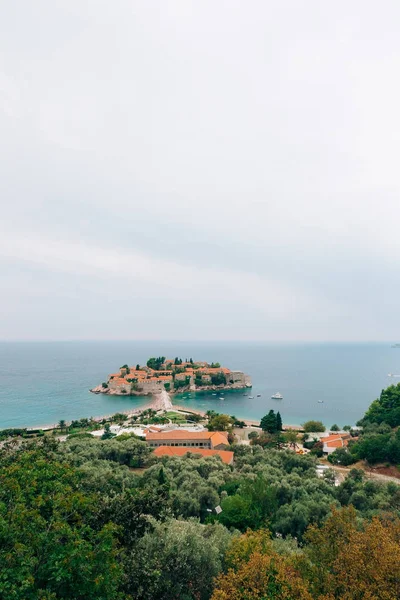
(212, 440)
(225, 455)
(334, 441)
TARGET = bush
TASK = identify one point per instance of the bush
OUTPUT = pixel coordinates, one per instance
(341, 456)
(81, 436)
(313, 426)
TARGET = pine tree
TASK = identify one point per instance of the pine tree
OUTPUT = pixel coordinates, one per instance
(269, 422)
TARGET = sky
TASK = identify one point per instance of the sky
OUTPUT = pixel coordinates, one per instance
(214, 170)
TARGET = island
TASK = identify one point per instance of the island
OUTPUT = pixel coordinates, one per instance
(173, 376)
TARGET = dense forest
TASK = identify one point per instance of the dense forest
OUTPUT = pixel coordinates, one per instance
(105, 519)
(379, 439)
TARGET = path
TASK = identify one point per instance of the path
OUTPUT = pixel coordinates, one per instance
(370, 475)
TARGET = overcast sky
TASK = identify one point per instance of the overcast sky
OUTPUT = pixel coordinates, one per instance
(200, 170)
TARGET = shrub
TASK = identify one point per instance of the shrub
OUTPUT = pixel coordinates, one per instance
(313, 426)
(341, 456)
(81, 436)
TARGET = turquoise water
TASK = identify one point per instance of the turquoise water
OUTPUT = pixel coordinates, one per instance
(41, 383)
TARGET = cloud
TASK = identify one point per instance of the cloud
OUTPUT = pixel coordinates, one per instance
(164, 277)
(234, 163)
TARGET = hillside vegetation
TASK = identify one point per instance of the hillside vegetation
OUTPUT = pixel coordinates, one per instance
(82, 520)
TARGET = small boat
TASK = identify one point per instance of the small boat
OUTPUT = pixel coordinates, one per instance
(245, 394)
(277, 396)
(251, 397)
(214, 394)
(221, 398)
(258, 395)
(320, 401)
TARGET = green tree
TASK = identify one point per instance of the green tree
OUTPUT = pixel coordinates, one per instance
(278, 421)
(269, 422)
(341, 456)
(290, 438)
(62, 424)
(373, 448)
(313, 426)
(178, 559)
(384, 409)
(50, 546)
(107, 432)
(220, 423)
(155, 363)
(335, 427)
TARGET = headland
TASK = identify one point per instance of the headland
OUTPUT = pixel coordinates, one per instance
(172, 375)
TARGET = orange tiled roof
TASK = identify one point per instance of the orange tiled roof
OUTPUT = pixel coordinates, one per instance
(217, 437)
(338, 440)
(335, 436)
(338, 443)
(225, 455)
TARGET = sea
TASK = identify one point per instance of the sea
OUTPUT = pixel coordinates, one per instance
(44, 382)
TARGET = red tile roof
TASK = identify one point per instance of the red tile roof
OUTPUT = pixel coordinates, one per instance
(338, 440)
(339, 443)
(216, 437)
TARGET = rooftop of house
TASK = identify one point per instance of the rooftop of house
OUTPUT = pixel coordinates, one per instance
(225, 455)
(217, 437)
(338, 440)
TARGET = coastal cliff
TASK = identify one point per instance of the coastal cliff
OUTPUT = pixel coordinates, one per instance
(173, 376)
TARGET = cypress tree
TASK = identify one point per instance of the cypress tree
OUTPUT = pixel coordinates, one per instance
(278, 421)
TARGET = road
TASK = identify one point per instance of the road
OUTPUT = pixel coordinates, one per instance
(343, 473)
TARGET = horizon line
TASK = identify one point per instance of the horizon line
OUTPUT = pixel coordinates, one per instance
(199, 341)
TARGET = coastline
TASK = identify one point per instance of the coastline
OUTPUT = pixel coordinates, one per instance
(159, 402)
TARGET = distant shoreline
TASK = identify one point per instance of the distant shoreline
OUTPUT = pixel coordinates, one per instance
(154, 404)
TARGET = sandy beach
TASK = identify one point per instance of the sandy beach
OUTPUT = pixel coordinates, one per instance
(162, 402)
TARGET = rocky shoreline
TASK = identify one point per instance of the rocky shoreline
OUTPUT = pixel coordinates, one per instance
(99, 389)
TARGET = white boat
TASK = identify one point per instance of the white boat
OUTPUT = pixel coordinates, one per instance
(221, 398)
(320, 401)
(251, 397)
(214, 394)
(277, 396)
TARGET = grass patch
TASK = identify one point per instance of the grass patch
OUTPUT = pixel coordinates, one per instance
(177, 417)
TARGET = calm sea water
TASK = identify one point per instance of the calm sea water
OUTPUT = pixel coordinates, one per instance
(41, 383)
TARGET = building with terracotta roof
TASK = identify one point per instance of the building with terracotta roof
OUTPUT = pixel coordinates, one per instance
(213, 440)
(180, 377)
(225, 455)
(334, 441)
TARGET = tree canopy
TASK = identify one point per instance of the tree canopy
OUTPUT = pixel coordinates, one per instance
(106, 519)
